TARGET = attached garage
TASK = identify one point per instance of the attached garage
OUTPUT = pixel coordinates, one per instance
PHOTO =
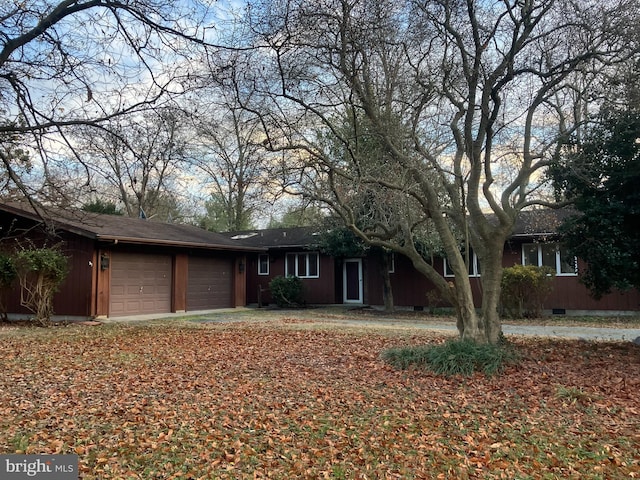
(123, 266)
(140, 284)
(210, 283)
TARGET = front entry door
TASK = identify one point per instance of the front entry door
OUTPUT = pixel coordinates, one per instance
(352, 280)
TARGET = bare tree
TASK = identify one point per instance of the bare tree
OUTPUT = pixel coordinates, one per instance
(228, 139)
(81, 62)
(469, 102)
(138, 158)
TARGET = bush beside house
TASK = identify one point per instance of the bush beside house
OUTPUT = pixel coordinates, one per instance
(524, 290)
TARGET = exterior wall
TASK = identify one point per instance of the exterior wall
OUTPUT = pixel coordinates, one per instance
(102, 282)
(76, 296)
(569, 294)
(180, 279)
(318, 291)
(410, 288)
(240, 282)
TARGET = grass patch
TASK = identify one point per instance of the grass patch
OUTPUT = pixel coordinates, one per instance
(575, 395)
(454, 357)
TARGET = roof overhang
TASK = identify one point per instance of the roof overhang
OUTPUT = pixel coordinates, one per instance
(74, 227)
(116, 240)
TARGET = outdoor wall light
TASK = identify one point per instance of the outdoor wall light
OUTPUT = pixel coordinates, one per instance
(104, 262)
(241, 267)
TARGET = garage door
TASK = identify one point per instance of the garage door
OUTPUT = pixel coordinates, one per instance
(140, 284)
(209, 283)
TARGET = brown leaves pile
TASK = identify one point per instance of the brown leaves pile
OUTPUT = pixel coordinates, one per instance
(301, 400)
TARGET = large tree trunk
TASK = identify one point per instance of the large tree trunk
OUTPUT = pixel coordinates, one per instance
(387, 290)
(491, 287)
(468, 322)
(458, 293)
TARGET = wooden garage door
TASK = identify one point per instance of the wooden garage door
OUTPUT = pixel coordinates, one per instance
(210, 282)
(140, 284)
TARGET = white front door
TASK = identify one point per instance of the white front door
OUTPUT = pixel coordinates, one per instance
(352, 281)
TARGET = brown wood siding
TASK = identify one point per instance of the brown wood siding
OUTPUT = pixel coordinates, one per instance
(256, 282)
(210, 283)
(103, 282)
(140, 284)
(570, 294)
(409, 286)
(75, 296)
(240, 282)
(180, 282)
(320, 291)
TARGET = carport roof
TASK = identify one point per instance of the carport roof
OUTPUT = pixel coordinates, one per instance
(120, 229)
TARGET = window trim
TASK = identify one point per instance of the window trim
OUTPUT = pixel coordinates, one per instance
(474, 265)
(260, 257)
(296, 268)
(558, 262)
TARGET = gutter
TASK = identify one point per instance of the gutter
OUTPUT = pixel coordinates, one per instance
(171, 243)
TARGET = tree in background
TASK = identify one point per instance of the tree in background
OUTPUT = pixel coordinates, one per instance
(219, 218)
(138, 159)
(233, 167)
(300, 214)
(101, 206)
(466, 104)
(70, 63)
(600, 176)
(13, 153)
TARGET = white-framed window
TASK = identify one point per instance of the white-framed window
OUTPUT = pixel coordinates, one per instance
(474, 266)
(392, 262)
(303, 265)
(549, 255)
(263, 264)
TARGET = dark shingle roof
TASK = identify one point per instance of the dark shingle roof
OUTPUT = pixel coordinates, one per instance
(110, 228)
(530, 223)
(540, 222)
(276, 237)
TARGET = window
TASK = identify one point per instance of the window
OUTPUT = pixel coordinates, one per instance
(549, 255)
(392, 262)
(263, 264)
(474, 266)
(303, 265)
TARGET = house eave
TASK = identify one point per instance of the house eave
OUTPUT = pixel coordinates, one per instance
(535, 235)
(114, 240)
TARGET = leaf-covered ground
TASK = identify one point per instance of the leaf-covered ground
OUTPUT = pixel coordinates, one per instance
(298, 399)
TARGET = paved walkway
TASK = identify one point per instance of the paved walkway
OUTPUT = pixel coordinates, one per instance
(250, 314)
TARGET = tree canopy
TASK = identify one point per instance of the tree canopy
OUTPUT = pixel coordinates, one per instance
(601, 178)
(68, 63)
(439, 116)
